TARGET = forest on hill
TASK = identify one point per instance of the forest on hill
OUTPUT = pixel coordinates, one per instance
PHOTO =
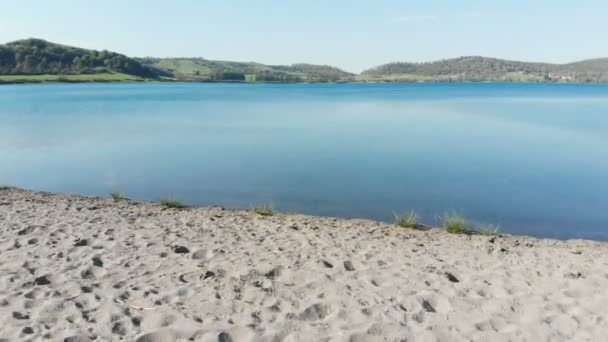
(39, 57)
(37, 60)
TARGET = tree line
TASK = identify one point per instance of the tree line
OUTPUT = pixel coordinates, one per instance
(38, 57)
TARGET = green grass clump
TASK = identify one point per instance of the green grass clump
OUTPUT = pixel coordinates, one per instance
(457, 224)
(409, 220)
(264, 210)
(173, 203)
(487, 230)
(454, 223)
(118, 196)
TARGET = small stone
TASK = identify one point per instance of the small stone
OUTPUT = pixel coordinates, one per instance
(572, 275)
(32, 241)
(451, 277)
(119, 329)
(136, 321)
(27, 330)
(97, 261)
(88, 273)
(348, 265)
(18, 315)
(31, 294)
(208, 275)
(86, 289)
(224, 337)
(275, 272)
(181, 250)
(43, 280)
(81, 243)
(427, 306)
(120, 284)
(327, 264)
(28, 230)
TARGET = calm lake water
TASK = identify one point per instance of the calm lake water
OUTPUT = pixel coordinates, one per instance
(530, 158)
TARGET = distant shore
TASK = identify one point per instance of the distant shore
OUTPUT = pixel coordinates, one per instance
(80, 79)
(37, 60)
(109, 268)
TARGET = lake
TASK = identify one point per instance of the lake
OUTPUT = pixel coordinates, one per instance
(532, 158)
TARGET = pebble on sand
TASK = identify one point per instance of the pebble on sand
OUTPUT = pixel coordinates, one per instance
(451, 277)
(224, 337)
(348, 265)
(181, 250)
(43, 280)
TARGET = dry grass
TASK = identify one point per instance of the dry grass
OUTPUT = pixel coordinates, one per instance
(408, 220)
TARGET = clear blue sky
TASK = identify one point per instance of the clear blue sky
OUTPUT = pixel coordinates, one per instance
(352, 34)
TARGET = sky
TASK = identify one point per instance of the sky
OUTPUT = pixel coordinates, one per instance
(351, 34)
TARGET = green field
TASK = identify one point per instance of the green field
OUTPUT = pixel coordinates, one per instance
(106, 77)
(184, 66)
(199, 69)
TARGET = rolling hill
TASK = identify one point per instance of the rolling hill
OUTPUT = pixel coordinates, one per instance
(477, 69)
(33, 58)
(37, 60)
(199, 69)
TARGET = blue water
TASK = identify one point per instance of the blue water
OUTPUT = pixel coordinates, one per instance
(530, 158)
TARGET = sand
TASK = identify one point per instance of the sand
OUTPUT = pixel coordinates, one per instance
(79, 269)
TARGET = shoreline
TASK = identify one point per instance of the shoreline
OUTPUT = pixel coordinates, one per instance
(420, 226)
(288, 83)
(96, 268)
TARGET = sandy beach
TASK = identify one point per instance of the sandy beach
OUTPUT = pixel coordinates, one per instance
(77, 269)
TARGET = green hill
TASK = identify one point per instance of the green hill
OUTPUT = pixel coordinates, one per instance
(477, 69)
(591, 70)
(36, 60)
(36, 57)
(199, 69)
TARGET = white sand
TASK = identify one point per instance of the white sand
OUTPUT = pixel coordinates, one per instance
(93, 268)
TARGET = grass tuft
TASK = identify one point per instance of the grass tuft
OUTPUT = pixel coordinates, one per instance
(454, 223)
(118, 196)
(174, 203)
(488, 230)
(409, 220)
(264, 210)
(457, 224)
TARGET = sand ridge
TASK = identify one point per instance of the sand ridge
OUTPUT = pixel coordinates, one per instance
(78, 269)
